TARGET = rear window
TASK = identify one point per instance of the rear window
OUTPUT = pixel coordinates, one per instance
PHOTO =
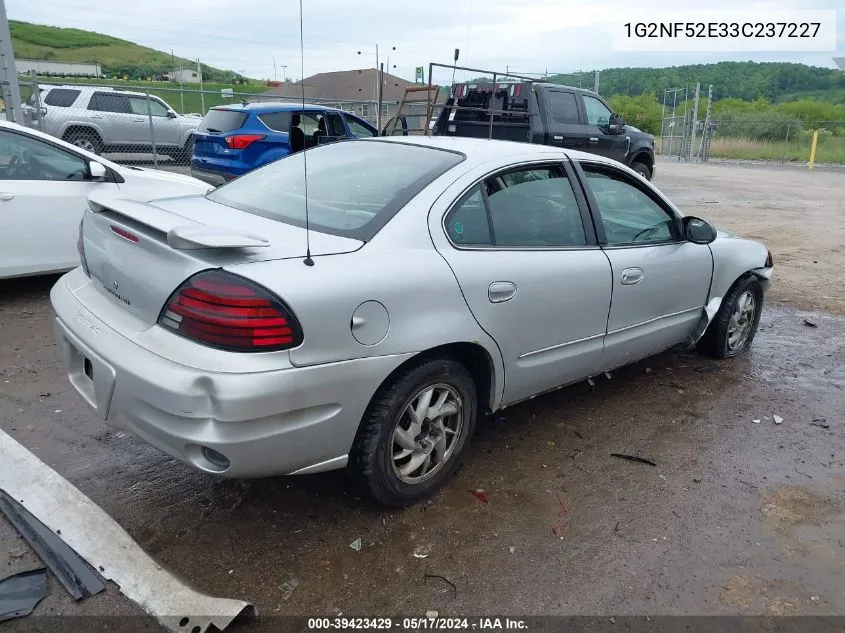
(222, 121)
(61, 97)
(276, 121)
(354, 187)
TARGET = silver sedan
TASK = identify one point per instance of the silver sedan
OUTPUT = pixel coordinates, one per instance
(365, 316)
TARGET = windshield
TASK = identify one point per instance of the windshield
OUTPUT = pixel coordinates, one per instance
(354, 187)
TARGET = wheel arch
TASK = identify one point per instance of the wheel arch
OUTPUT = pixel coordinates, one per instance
(475, 357)
(77, 128)
(645, 157)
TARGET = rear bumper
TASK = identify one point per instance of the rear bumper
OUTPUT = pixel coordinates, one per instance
(264, 423)
(215, 178)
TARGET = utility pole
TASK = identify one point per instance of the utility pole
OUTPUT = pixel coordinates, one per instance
(596, 88)
(284, 72)
(8, 71)
(275, 74)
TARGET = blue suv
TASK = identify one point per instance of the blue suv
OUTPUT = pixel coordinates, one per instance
(235, 139)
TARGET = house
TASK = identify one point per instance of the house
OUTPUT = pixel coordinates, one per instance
(185, 76)
(352, 90)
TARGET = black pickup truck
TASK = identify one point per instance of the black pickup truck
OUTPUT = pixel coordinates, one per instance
(548, 114)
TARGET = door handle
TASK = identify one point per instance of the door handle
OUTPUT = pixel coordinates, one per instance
(632, 275)
(7, 196)
(139, 120)
(557, 138)
(594, 139)
(501, 291)
(94, 116)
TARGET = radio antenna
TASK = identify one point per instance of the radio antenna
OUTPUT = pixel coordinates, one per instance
(307, 261)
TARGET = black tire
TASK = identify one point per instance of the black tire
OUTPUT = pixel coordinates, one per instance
(716, 341)
(183, 156)
(86, 140)
(372, 457)
(642, 169)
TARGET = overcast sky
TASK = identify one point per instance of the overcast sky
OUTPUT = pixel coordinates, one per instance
(528, 36)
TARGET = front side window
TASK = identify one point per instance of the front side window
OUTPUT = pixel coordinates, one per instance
(597, 112)
(26, 158)
(147, 107)
(358, 129)
(354, 188)
(629, 215)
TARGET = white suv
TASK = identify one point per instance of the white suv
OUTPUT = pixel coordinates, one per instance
(99, 119)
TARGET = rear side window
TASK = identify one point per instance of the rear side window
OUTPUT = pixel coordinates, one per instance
(276, 121)
(61, 97)
(105, 102)
(222, 121)
(562, 107)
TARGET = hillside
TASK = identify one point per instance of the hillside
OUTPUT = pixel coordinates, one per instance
(115, 56)
(773, 81)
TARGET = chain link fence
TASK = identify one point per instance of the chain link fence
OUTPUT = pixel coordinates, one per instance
(773, 138)
(152, 126)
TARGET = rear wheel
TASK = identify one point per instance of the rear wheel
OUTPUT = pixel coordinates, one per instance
(642, 169)
(414, 432)
(734, 326)
(183, 155)
(83, 139)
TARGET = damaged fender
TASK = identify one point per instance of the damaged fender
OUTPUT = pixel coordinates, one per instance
(733, 257)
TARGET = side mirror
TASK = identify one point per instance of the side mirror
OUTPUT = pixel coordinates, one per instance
(97, 170)
(617, 124)
(171, 114)
(698, 231)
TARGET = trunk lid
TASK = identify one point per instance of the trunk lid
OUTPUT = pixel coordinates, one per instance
(139, 253)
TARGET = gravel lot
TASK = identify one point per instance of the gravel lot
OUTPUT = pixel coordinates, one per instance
(738, 517)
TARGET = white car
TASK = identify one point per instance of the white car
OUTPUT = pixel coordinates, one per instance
(44, 188)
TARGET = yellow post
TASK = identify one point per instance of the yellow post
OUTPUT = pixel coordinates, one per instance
(813, 148)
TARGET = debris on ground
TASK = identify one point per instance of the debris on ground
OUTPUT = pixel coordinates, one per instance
(17, 553)
(512, 549)
(356, 544)
(431, 614)
(756, 421)
(607, 375)
(648, 370)
(777, 419)
(479, 494)
(707, 369)
(634, 458)
(557, 526)
(820, 422)
(67, 566)
(809, 323)
(288, 588)
(21, 592)
(428, 575)
(422, 551)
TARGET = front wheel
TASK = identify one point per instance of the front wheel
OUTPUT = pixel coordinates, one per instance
(642, 169)
(734, 326)
(414, 432)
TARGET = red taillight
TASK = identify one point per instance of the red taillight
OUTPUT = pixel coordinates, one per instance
(242, 141)
(518, 90)
(223, 310)
(80, 247)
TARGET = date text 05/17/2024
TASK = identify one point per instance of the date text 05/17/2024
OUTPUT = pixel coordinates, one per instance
(417, 624)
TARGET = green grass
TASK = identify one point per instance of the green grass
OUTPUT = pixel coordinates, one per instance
(115, 56)
(829, 150)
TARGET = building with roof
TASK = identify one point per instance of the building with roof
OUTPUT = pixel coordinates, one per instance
(351, 90)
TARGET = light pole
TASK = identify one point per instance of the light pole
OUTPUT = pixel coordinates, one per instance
(379, 80)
